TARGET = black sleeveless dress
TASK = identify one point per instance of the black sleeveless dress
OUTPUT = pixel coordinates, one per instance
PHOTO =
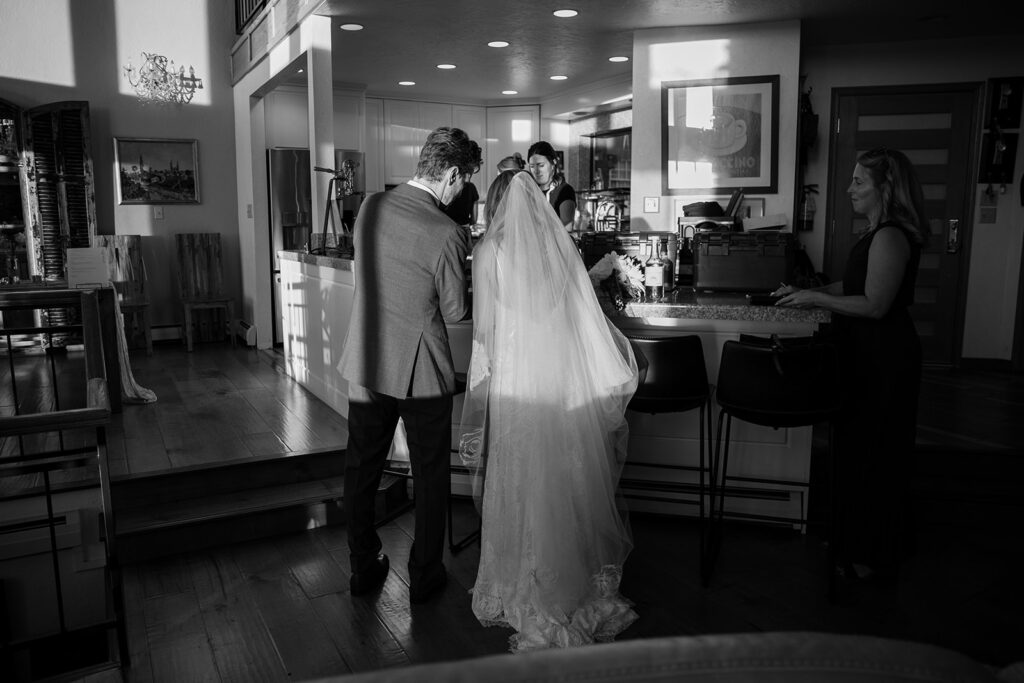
(875, 436)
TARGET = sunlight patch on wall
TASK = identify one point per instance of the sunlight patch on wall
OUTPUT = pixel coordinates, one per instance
(23, 56)
(522, 131)
(698, 59)
(560, 135)
(178, 31)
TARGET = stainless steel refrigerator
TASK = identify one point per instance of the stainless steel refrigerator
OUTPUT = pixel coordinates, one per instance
(291, 209)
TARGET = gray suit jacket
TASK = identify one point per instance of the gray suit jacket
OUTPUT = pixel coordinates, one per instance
(409, 280)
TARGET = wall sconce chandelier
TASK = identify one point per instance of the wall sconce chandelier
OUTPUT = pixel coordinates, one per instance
(157, 82)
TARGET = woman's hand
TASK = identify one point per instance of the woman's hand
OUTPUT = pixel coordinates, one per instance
(784, 289)
(799, 298)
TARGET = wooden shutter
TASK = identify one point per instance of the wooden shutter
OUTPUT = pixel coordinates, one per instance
(61, 185)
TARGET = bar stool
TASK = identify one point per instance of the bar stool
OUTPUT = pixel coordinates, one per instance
(779, 383)
(675, 380)
(453, 545)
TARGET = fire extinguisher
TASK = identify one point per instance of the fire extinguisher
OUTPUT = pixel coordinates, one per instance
(807, 208)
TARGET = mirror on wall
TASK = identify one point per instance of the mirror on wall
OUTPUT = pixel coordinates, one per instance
(610, 159)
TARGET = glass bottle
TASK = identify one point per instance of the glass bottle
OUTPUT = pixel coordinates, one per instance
(668, 267)
(654, 276)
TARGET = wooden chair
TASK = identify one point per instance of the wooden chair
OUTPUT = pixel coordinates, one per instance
(200, 280)
(128, 274)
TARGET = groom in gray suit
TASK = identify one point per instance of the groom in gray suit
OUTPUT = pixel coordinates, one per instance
(409, 269)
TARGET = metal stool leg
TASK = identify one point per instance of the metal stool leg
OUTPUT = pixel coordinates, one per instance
(720, 463)
(458, 546)
(833, 527)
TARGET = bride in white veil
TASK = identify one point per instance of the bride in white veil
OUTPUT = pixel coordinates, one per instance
(543, 427)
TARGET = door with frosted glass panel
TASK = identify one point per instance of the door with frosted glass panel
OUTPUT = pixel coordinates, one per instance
(936, 126)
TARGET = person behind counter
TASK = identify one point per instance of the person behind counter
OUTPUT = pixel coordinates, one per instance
(881, 359)
(544, 168)
(462, 209)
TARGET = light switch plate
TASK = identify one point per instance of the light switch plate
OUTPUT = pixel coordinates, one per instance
(158, 213)
(651, 204)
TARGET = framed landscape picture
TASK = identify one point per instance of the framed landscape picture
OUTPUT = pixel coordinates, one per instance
(156, 171)
(720, 134)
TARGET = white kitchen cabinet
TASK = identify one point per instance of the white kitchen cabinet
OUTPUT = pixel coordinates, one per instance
(406, 126)
(374, 149)
(509, 129)
(473, 120)
(348, 120)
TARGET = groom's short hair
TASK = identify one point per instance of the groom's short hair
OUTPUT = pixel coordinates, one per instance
(447, 147)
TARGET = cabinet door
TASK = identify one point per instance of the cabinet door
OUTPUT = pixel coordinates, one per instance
(509, 129)
(59, 184)
(402, 140)
(374, 145)
(348, 121)
(432, 116)
(473, 120)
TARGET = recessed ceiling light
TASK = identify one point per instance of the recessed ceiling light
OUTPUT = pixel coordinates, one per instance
(406, 82)
(498, 43)
(509, 92)
(565, 13)
(618, 59)
(558, 78)
(302, 71)
(351, 27)
(445, 66)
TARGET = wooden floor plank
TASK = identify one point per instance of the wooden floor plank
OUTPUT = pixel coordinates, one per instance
(141, 669)
(300, 637)
(317, 573)
(185, 658)
(146, 455)
(264, 443)
(242, 647)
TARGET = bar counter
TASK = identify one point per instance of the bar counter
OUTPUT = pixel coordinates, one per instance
(317, 302)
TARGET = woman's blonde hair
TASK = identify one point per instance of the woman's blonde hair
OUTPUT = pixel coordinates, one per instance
(496, 191)
(900, 190)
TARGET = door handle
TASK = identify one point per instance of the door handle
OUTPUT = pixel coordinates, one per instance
(953, 236)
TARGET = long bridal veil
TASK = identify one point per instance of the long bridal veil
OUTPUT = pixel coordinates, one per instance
(543, 427)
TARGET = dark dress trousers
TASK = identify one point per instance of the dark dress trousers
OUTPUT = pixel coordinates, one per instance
(409, 269)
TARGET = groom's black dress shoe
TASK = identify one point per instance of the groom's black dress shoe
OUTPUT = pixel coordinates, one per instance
(428, 589)
(370, 578)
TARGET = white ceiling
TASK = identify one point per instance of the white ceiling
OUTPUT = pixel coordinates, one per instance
(406, 39)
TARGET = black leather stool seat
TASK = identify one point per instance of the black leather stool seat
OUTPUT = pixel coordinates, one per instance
(676, 378)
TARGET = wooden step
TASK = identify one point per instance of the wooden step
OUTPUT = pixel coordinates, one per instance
(206, 480)
(195, 510)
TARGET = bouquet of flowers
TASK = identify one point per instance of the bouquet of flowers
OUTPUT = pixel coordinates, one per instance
(619, 276)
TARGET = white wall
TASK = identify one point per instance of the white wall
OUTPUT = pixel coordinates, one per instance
(701, 52)
(996, 248)
(58, 50)
(307, 46)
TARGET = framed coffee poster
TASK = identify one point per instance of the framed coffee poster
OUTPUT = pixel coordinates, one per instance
(720, 134)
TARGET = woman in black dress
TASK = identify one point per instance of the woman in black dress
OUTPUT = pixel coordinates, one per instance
(881, 358)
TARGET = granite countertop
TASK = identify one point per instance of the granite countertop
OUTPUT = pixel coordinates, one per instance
(685, 303)
(316, 259)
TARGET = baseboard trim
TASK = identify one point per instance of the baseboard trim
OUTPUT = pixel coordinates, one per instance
(987, 364)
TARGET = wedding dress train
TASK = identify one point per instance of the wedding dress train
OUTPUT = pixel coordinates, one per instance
(544, 428)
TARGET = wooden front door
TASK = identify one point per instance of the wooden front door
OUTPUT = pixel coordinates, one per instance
(935, 126)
